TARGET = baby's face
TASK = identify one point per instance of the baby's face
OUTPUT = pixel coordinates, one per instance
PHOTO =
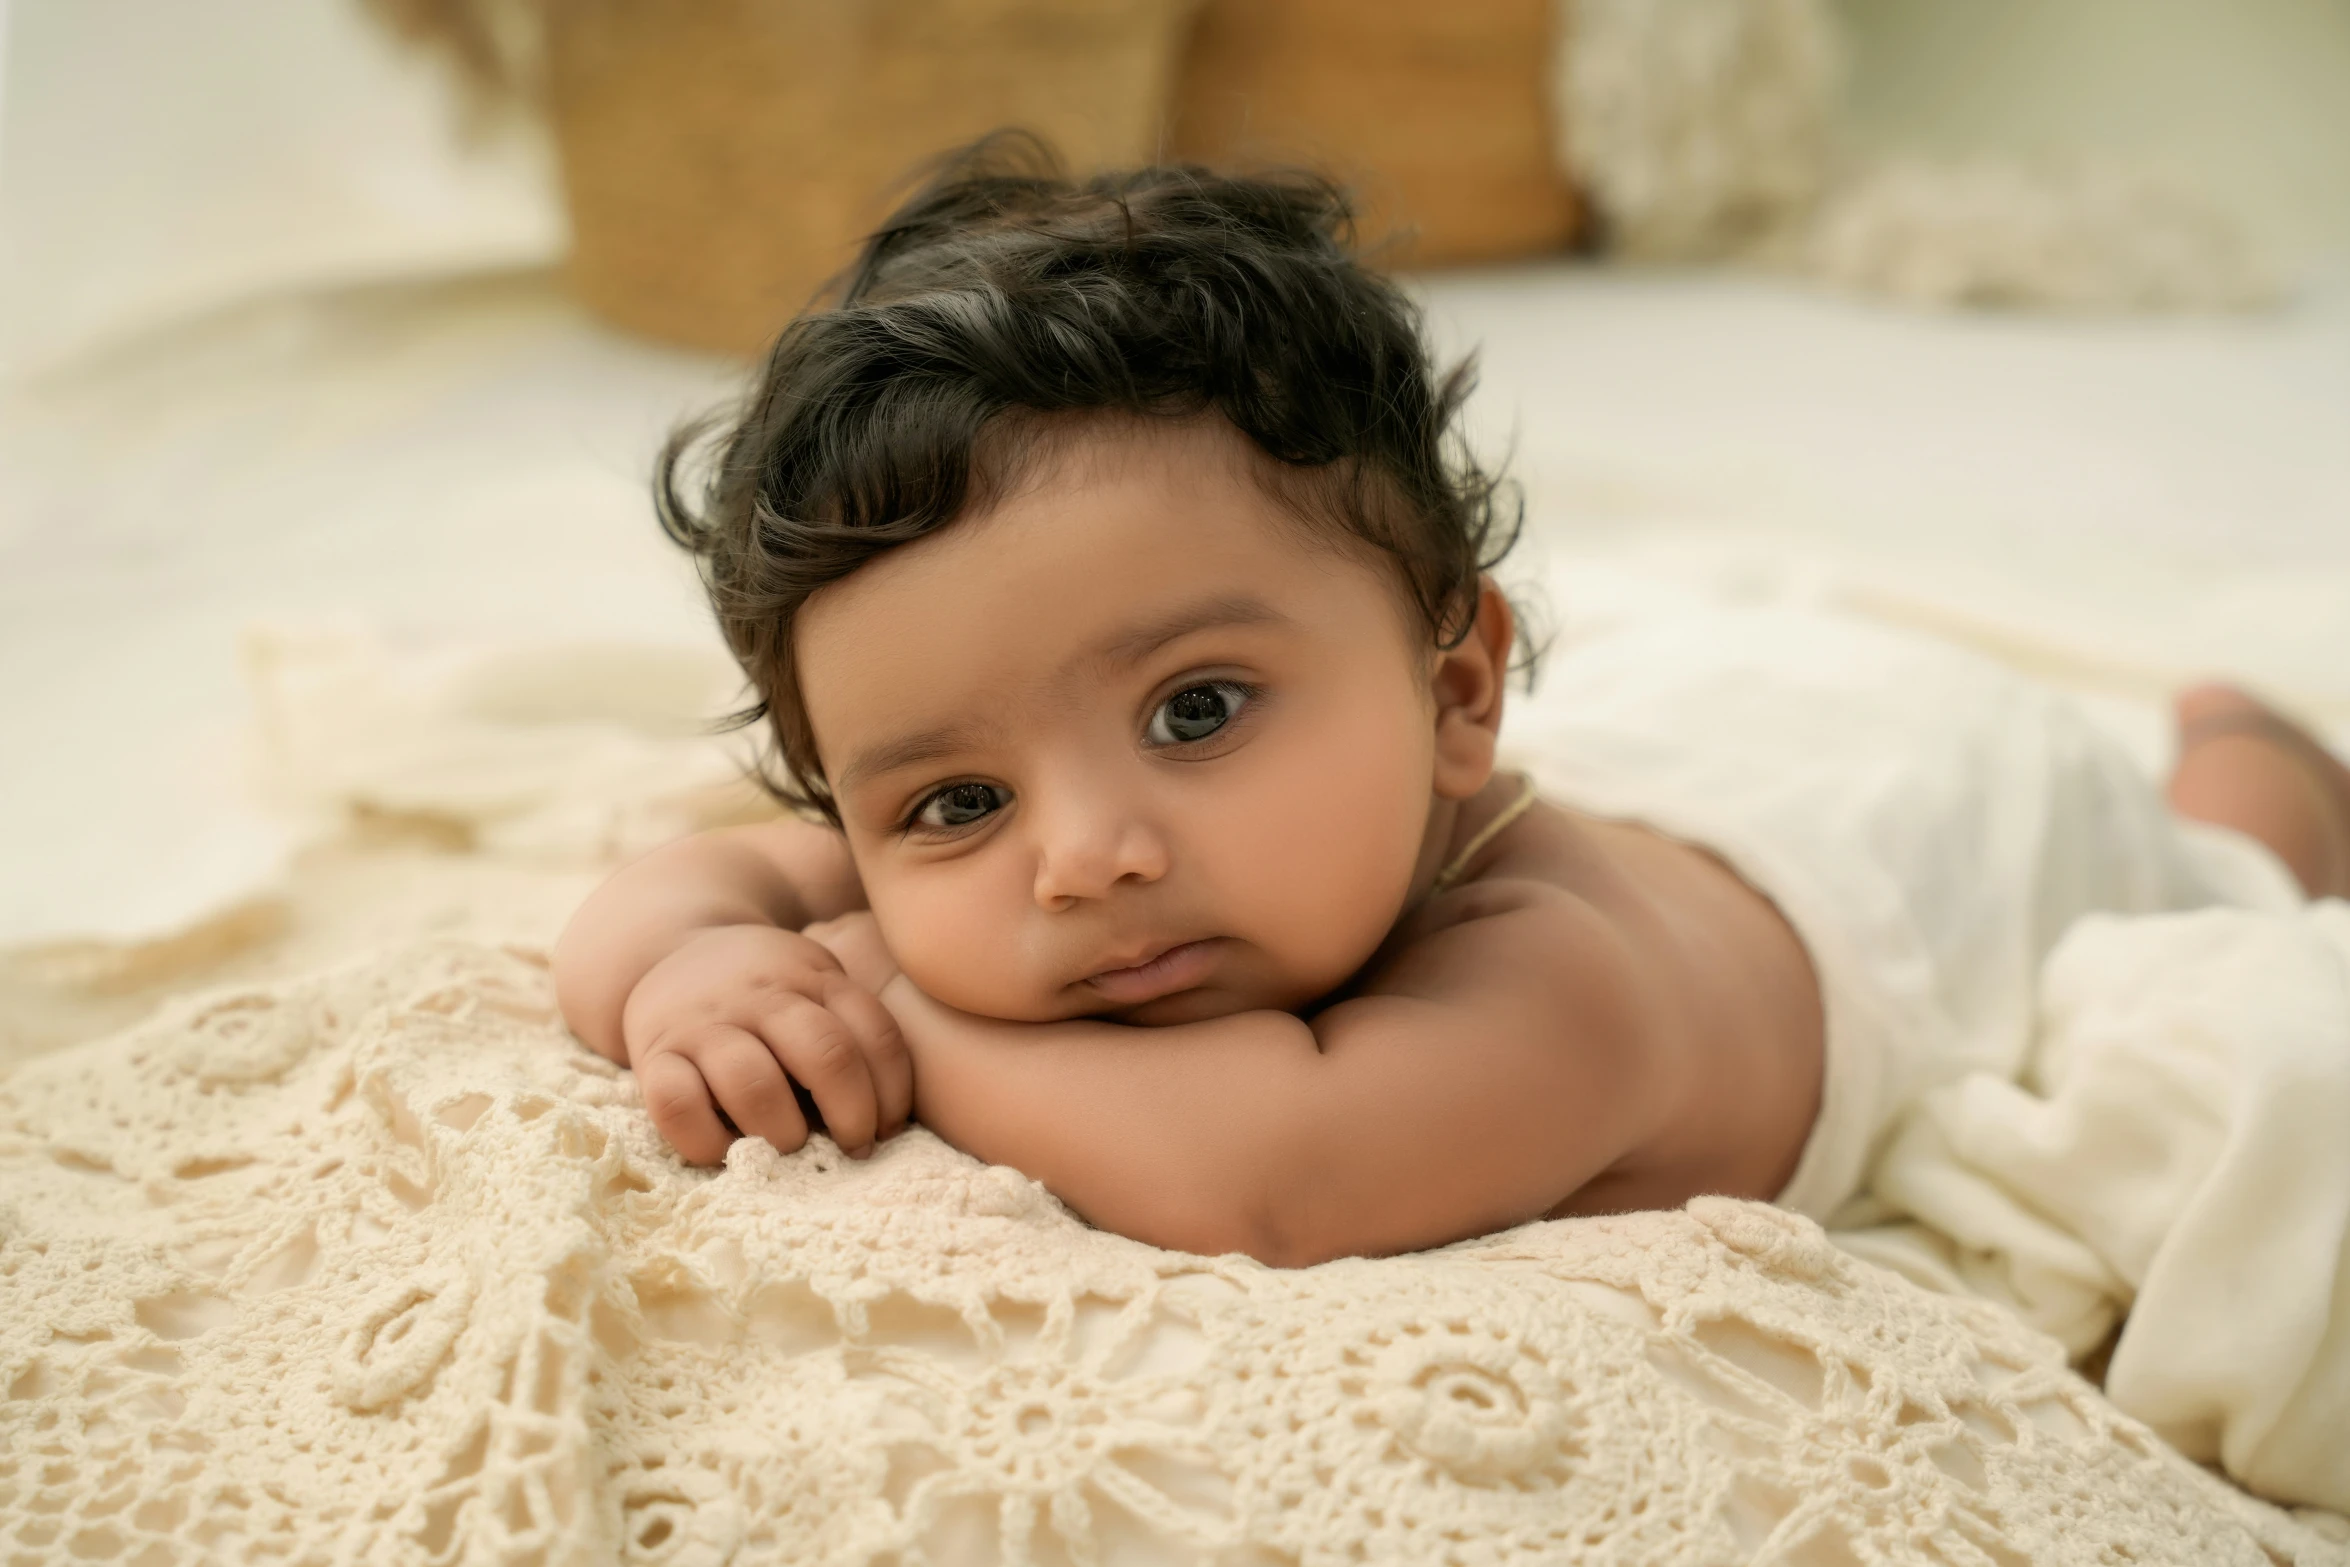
(1130, 743)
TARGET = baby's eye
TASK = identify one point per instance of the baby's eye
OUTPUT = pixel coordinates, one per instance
(1196, 712)
(959, 805)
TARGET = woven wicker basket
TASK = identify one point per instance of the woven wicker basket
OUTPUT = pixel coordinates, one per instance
(1436, 111)
(722, 157)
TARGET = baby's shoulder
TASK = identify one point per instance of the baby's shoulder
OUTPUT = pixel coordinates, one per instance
(1534, 915)
(1645, 971)
(1598, 918)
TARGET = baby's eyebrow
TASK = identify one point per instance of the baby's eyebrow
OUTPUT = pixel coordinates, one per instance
(924, 745)
(1229, 609)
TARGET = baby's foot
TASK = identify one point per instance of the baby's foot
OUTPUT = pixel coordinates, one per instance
(2243, 764)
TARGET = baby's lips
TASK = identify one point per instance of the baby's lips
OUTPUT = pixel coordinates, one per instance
(1175, 968)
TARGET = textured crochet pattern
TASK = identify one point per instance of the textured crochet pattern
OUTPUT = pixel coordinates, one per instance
(379, 1266)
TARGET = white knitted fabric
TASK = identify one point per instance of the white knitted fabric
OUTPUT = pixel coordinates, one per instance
(377, 1265)
(2049, 236)
(556, 754)
(1695, 125)
(1706, 129)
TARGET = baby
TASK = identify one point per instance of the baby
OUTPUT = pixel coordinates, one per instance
(1114, 588)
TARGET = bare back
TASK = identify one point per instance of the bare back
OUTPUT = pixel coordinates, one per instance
(1720, 988)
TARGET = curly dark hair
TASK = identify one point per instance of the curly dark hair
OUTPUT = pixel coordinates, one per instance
(1002, 294)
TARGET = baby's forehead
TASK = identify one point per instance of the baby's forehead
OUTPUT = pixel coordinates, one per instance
(1213, 473)
(1023, 452)
(1103, 492)
(1092, 566)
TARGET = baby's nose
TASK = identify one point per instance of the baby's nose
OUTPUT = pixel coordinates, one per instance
(1084, 854)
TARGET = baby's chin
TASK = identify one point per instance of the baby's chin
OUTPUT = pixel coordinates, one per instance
(1197, 1005)
(1243, 982)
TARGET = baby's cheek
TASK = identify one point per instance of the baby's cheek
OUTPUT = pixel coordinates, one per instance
(1319, 883)
(959, 951)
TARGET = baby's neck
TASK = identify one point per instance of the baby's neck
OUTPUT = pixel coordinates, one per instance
(1460, 831)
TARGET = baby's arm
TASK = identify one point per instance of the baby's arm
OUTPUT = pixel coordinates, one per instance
(688, 966)
(1483, 1080)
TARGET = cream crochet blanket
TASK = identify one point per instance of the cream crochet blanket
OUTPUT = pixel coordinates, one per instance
(377, 1265)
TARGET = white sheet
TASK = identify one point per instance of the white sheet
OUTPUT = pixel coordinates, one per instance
(2175, 1151)
(1929, 823)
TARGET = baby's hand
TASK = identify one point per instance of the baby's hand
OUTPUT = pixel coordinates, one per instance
(716, 1026)
(855, 939)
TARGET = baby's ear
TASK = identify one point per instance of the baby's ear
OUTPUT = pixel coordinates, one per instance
(1468, 682)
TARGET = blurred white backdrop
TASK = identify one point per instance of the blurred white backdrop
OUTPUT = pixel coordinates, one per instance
(160, 157)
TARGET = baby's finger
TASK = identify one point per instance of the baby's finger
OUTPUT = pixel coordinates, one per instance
(751, 1088)
(822, 1055)
(680, 1105)
(886, 1058)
